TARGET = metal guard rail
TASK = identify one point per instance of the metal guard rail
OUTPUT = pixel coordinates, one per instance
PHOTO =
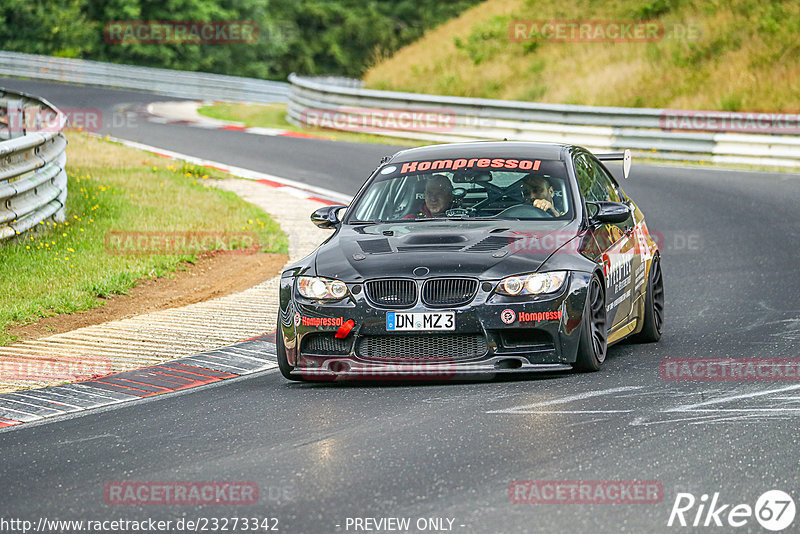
(177, 83)
(604, 129)
(33, 182)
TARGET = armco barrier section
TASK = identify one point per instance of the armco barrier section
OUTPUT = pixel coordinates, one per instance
(347, 106)
(33, 183)
(178, 83)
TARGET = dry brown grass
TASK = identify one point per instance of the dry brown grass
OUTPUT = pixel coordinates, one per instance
(745, 57)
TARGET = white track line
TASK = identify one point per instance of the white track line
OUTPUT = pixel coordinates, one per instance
(564, 400)
(693, 407)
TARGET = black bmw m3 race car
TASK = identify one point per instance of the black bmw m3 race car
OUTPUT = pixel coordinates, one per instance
(473, 258)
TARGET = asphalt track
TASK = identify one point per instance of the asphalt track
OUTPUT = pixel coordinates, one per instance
(321, 454)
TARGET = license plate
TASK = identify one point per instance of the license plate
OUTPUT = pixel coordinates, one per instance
(420, 321)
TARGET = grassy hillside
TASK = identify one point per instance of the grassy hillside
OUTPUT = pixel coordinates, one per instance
(744, 56)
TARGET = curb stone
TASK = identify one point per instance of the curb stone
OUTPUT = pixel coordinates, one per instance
(149, 367)
(236, 360)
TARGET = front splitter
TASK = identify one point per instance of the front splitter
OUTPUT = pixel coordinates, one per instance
(355, 369)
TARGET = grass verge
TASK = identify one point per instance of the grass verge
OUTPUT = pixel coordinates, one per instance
(274, 116)
(65, 267)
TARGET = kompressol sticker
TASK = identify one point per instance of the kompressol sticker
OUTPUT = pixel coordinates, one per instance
(388, 170)
(464, 163)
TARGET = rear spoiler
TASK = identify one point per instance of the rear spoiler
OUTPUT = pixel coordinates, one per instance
(616, 156)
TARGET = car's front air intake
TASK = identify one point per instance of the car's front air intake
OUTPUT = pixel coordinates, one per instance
(422, 347)
(325, 344)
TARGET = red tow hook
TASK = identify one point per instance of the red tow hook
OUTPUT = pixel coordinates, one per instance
(345, 329)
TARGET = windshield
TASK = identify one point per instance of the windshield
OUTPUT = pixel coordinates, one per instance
(478, 188)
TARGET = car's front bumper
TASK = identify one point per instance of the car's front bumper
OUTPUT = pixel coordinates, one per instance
(546, 343)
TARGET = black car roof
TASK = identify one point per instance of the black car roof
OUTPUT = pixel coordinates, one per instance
(479, 149)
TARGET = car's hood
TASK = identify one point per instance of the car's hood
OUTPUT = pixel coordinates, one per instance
(488, 249)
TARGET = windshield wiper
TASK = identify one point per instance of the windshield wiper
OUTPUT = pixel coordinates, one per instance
(426, 219)
(421, 219)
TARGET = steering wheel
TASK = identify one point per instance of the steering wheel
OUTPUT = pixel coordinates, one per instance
(524, 211)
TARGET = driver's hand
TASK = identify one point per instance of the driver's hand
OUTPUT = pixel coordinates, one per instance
(544, 205)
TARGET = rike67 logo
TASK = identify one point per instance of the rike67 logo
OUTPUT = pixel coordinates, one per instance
(774, 510)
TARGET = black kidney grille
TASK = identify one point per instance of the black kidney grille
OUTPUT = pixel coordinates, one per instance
(325, 344)
(392, 292)
(425, 347)
(449, 291)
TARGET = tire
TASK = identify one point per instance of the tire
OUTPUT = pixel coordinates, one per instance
(283, 362)
(653, 306)
(593, 342)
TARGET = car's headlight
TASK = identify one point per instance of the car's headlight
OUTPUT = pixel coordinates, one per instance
(532, 284)
(314, 287)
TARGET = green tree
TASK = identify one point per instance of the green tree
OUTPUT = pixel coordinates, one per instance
(49, 27)
(306, 36)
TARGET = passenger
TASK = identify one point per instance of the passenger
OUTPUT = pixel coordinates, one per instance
(438, 198)
(537, 191)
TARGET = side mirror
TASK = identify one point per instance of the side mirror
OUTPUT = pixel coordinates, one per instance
(327, 217)
(608, 212)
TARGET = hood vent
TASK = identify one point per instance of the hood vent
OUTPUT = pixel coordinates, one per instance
(375, 246)
(428, 248)
(435, 239)
(492, 243)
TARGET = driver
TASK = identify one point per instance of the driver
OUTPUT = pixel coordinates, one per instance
(438, 198)
(537, 190)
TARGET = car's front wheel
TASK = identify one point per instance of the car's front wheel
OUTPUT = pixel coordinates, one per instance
(593, 342)
(283, 362)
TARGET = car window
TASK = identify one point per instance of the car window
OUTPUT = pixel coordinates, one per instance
(596, 185)
(479, 188)
(606, 182)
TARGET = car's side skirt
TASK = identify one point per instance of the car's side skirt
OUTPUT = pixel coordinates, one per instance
(622, 331)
